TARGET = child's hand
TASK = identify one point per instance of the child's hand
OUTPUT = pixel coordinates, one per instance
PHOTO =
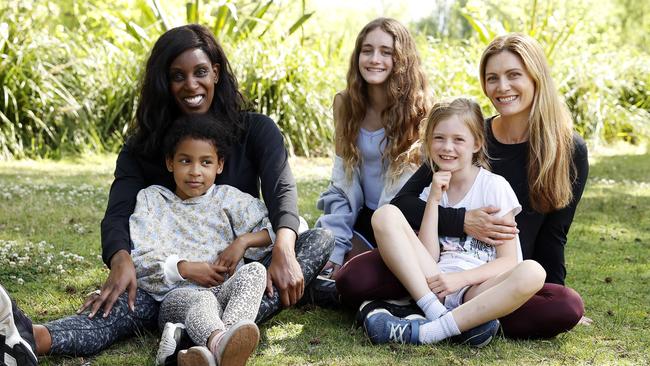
(444, 284)
(439, 184)
(202, 273)
(231, 256)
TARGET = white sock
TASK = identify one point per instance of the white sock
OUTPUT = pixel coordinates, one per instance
(431, 306)
(439, 329)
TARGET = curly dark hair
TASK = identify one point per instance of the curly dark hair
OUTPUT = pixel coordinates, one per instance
(200, 127)
(157, 107)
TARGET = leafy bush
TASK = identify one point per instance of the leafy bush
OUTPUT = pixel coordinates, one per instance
(605, 84)
(70, 85)
(63, 90)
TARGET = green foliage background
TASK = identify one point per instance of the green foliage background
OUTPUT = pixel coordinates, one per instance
(69, 70)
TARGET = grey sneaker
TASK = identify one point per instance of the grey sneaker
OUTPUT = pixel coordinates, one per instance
(17, 344)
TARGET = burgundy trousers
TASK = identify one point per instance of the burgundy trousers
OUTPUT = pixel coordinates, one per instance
(552, 310)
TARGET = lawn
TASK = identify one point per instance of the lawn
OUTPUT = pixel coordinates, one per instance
(50, 257)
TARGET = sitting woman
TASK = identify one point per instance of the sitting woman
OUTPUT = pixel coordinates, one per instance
(187, 72)
(377, 118)
(531, 144)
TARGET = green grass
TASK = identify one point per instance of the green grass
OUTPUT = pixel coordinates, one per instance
(608, 255)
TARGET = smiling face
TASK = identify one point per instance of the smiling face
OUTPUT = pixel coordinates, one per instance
(376, 57)
(192, 78)
(195, 166)
(453, 145)
(509, 85)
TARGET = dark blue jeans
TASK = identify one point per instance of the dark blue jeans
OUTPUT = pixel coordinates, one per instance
(78, 335)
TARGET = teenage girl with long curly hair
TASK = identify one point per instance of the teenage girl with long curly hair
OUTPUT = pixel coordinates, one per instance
(377, 120)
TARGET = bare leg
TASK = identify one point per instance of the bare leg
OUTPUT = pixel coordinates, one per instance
(402, 251)
(500, 295)
(43, 340)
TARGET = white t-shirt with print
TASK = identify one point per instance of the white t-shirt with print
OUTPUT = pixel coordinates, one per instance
(464, 253)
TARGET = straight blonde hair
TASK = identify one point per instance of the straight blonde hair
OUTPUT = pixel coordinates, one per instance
(550, 129)
(469, 112)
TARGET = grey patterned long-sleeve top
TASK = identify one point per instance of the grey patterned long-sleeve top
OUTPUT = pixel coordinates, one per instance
(166, 230)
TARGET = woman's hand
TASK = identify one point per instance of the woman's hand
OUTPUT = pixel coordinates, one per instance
(120, 278)
(481, 224)
(231, 256)
(202, 273)
(444, 284)
(284, 271)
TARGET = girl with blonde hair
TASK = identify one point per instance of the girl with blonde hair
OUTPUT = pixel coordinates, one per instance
(461, 284)
(531, 144)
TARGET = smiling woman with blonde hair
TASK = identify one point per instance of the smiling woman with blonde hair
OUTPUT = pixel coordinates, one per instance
(531, 144)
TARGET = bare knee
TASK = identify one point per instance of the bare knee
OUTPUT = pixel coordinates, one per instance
(530, 277)
(384, 216)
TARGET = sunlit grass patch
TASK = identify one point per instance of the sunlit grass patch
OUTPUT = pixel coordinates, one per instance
(55, 208)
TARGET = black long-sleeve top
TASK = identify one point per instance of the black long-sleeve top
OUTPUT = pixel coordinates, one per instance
(257, 160)
(542, 236)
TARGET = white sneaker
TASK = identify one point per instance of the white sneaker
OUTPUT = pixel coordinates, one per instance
(169, 340)
(15, 348)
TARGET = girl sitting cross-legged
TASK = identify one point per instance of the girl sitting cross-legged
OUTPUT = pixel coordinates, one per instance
(460, 283)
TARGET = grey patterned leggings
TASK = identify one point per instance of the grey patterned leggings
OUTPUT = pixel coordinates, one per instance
(78, 335)
(204, 311)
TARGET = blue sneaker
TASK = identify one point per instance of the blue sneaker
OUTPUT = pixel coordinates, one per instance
(16, 335)
(479, 336)
(382, 327)
(401, 308)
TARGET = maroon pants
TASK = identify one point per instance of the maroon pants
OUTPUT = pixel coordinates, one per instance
(552, 310)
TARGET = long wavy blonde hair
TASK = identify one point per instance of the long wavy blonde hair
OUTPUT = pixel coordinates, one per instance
(406, 96)
(550, 129)
(469, 112)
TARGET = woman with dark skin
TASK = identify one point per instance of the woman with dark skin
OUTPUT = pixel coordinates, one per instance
(188, 72)
(530, 143)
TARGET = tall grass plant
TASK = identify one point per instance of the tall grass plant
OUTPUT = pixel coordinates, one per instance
(69, 70)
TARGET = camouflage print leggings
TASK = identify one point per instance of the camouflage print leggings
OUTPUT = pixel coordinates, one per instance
(79, 335)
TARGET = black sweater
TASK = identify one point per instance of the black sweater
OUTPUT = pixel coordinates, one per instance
(258, 160)
(542, 236)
